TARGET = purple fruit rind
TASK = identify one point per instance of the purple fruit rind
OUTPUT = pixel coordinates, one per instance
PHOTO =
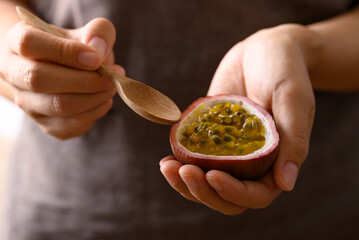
(248, 167)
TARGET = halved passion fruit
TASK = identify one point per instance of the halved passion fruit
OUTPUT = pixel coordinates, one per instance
(226, 132)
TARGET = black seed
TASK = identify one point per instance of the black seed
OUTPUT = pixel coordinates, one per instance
(234, 116)
(216, 139)
(228, 129)
(243, 116)
(227, 137)
(260, 138)
(215, 131)
(226, 120)
(210, 118)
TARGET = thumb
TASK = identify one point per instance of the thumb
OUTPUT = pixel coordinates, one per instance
(100, 34)
(293, 109)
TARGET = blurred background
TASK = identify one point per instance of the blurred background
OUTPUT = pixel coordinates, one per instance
(10, 121)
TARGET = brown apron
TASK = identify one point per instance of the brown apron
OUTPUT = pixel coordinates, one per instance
(106, 184)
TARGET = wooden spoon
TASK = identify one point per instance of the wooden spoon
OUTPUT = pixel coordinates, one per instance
(141, 98)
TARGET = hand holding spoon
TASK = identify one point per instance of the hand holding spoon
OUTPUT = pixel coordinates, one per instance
(141, 98)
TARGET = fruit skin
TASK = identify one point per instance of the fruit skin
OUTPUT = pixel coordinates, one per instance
(249, 167)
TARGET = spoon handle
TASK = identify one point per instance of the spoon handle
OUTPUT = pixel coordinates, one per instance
(35, 21)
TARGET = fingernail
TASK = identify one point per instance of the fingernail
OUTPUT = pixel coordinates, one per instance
(162, 162)
(99, 44)
(190, 182)
(289, 175)
(89, 59)
(215, 184)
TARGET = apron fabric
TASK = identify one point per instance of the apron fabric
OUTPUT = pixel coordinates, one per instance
(106, 184)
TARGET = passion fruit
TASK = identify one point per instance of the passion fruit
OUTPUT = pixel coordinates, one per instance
(226, 132)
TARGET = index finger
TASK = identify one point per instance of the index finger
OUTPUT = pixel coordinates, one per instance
(293, 109)
(33, 43)
(251, 194)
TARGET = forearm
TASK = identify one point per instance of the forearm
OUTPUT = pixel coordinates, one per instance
(330, 49)
(333, 62)
(8, 18)
(336, 63)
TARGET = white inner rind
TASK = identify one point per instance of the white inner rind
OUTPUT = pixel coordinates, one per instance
(203, 107)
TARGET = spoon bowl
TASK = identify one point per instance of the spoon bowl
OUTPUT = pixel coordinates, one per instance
(143, 99)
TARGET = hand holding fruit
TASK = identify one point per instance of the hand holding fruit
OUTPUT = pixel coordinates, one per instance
(269, 68)
(53, 79)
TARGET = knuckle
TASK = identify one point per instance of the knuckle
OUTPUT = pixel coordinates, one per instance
(58, 104)
(32, 77)
(268, 37)
(300, 146)
(299, 140)
(24, 42)
(65, 48)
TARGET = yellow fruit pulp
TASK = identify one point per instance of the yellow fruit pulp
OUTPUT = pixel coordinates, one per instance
(226, 129)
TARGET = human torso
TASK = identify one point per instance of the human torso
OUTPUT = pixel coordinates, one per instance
(107, 182)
